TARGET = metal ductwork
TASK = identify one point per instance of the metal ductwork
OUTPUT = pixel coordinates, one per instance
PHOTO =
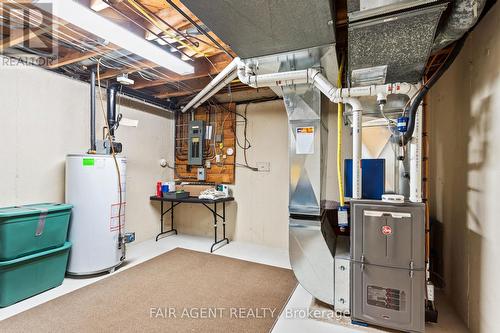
(463, 15)
(266, 27)
(310, 256)
(390, 41)
(311, 241)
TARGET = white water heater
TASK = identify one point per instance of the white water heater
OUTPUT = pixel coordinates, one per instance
(93, 189)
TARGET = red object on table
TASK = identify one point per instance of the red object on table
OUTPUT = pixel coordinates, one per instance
(158, 189)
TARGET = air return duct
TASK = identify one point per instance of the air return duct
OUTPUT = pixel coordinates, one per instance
(391, 43)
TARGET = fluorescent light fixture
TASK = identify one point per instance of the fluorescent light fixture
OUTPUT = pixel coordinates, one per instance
(98, 5)
(88, 20)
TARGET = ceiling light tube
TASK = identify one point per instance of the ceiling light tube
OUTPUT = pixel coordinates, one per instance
(86, 19)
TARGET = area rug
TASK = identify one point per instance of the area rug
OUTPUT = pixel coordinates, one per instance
(179, 291)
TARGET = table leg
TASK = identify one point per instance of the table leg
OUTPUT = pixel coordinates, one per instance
(224, 239)
(162, 232)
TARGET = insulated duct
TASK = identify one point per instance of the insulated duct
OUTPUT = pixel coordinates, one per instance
(464, 14)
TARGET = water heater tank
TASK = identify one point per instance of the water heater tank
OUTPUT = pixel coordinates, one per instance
(92, 188)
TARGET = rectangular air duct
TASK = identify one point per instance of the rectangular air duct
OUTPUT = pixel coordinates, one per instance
(255, 28)
(393, 40)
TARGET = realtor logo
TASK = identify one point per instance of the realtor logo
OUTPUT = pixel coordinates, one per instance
(26, 30)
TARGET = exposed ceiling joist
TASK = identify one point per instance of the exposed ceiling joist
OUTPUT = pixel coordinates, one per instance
(76, 56)
(202, 68)
(19, 36)
(140, 65)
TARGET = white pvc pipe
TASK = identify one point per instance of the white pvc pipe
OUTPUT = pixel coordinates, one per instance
(273, 79)
(415, 160)
(237, 68)
(210, 90)
(217, 88)
(311, 76)
(357, 120)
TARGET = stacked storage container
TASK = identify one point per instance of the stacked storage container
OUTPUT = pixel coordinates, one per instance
(33, 250)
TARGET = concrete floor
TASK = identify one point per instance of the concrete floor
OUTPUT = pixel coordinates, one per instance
(301, 299)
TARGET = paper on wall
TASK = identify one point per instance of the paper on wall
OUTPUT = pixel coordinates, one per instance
(305, 140)
(129, 122)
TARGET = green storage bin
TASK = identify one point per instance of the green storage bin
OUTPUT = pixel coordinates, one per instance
(24, 277)
(32, 228)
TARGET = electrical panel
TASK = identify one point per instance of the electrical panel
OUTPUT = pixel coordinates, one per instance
(196, 139)
(388, 264)
(206, 139)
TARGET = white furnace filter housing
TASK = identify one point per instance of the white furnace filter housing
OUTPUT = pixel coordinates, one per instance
(92, 189)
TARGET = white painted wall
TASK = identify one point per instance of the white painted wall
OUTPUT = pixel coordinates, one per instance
(44, 116)
(465, 175)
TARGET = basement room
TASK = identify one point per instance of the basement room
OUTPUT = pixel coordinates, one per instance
(249, 166)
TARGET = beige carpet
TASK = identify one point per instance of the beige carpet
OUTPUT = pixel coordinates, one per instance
(179, 291)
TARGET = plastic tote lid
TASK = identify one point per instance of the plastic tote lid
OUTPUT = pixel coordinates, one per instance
(33, 209)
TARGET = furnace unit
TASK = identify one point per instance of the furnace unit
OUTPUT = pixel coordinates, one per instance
(388, 264)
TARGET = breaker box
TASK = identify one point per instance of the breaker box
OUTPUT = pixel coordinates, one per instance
(196, 139)
(388, 264)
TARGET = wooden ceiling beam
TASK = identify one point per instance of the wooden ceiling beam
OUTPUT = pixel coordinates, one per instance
(196, 86)
(77, 56)
(18, 37)
(140, 65)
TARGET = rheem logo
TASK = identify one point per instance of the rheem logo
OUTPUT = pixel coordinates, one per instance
(387, 230)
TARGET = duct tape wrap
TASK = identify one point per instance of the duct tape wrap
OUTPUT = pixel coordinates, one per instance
(41, 219)
(41, 222)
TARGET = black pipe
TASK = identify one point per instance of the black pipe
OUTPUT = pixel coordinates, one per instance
(115, 88)
(93, 145)
(197, 26)
(111, 107)
(411, 111)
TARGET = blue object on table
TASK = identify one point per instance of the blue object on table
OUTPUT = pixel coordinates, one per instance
(164, 189)
(373, 178)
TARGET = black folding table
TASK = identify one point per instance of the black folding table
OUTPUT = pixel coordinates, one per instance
(194, 200)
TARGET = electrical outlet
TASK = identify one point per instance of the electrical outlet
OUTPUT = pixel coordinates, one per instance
(264, 166)
(201, 174)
